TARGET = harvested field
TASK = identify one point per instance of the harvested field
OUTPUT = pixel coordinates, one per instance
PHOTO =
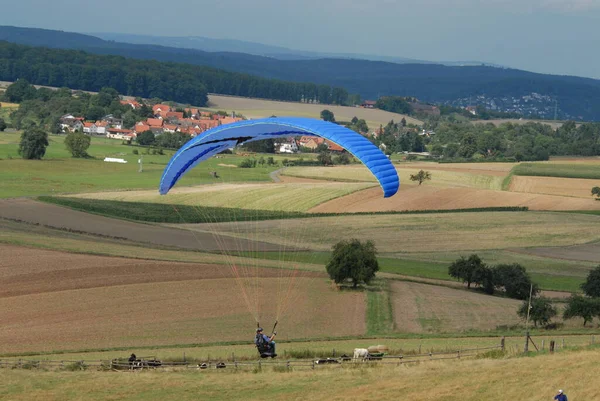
(426, 197)
(417, 233)
(58, 217)
(58, 301)
(583, 252)
(420, 308)
(295, 196)
(260, 108)
(495, 169)
(576, 187)
(486, 177)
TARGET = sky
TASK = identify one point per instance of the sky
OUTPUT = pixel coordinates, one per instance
(547, 36)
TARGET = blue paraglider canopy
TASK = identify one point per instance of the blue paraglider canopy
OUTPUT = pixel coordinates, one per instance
(227, 136)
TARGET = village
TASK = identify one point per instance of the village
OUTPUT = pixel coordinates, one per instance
(190, 121)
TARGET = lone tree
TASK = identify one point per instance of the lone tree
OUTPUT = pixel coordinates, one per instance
(591, 286)
(421, 176)
(3, 125)
(353, 260)
(77, 143)
(541, 312)
(33, 143)
(327, 116)
(467, 270)
(596, 191)
(582, 307)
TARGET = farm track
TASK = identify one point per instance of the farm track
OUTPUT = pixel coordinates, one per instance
(34, 212)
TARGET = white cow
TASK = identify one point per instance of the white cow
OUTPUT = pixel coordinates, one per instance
(361, 353)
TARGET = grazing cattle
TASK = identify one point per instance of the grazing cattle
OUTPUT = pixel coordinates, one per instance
(361, 353)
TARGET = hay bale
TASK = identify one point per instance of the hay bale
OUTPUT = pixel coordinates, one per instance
(382, 348)
(378, 349)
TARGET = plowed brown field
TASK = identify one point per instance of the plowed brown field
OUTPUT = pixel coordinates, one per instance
(58, 301)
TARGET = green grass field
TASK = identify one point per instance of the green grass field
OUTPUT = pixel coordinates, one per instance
(589, 171)
(293, 197)
(59, 173)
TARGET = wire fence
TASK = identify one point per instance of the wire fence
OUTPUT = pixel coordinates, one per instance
(151, 362)
(145, 363)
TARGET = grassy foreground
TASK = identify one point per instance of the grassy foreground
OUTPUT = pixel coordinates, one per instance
(472, 380)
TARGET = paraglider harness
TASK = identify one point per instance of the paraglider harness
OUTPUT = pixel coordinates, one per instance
(265, 348)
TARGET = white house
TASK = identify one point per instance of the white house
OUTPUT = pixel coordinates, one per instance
(287, 145)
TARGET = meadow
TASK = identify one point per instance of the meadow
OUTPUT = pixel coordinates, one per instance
(58, 172)
(536, 378)
(588, 170)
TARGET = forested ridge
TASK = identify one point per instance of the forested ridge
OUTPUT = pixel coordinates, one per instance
(184, 83)
(577, 97)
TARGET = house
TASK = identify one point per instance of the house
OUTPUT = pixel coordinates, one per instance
(141, 127)
(112, 121)
(160, 109)
(97, 128)
(154, 122)
(174, 115)
(193, 113)
(368, 104)
(229, 120)
(334, 147)
(134, 104)
(70, 123)
(170, 127)
(471, 109)
(310, 142)
(119, 133)
(286, 145)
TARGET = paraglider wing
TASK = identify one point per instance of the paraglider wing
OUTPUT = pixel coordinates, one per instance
(227, 136)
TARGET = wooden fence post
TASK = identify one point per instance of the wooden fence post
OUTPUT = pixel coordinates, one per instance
(543, 344)
(502, 343)
(551, 346)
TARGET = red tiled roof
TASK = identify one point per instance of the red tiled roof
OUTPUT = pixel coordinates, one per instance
(163, 108)
(141, 127)
(229, 120)
(87, 124)
(154, 122)
(334, 147)
(170, 126)
(177, 114)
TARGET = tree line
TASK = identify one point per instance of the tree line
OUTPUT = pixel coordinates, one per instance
(44, 107)
(513, 142)
(513, 281)
(184, 83)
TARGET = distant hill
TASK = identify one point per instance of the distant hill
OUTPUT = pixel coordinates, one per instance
(496, 88)
(241, 46)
